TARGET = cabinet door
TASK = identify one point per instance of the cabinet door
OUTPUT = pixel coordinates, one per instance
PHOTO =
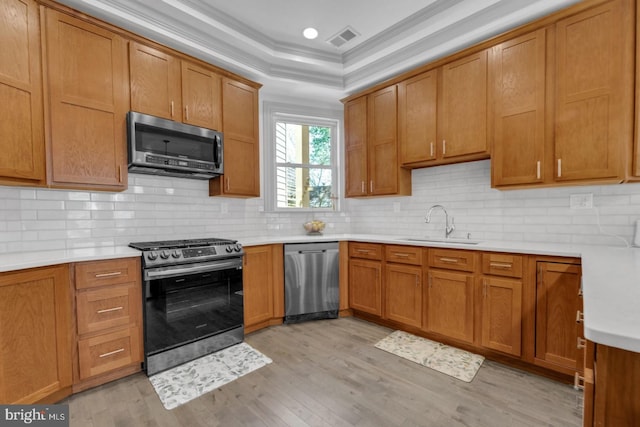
(518, 77)
(201, 97)
(355, 124)
(502, 315)
(463, 112)
(594, 103)
(35, 335)
(88, 100)
(257, 279)
(155, 82)
(450, 305)
(365, 286)
(557, 303)
(21, 127)
(382, 144)
(241, 142)
(403, 302)
(417, 104)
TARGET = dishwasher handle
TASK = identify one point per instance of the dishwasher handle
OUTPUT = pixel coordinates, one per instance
(319, 251)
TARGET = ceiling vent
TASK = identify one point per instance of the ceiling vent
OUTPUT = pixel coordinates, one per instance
(343, 37)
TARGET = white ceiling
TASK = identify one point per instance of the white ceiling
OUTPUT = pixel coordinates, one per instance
(261, 39)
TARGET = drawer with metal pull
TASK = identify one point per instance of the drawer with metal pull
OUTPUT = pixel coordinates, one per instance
(365, 250)
(498, 264)
(104, 353)
(103, 308)
(452, 259)
(403, 254)
(108, 272)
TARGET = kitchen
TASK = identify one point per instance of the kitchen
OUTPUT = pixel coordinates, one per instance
(157, 208)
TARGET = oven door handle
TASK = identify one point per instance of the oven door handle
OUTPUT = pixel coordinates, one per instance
(192, 268)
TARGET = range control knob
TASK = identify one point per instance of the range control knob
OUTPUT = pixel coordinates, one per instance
(176, 254)
(152, 256)
(164, 254)
(229, 249)
(238, 247)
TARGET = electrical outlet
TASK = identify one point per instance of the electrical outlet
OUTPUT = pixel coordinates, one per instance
(581, 201)
(224, 208)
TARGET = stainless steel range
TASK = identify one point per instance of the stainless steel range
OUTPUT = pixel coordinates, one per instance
(193, 301)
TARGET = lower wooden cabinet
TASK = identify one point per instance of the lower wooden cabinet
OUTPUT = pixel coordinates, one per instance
(263, 282)
(557, 302)
(450, 305)
(365, 286)
(403, 294)
(35, 335)
(502, 315)
(108, 321)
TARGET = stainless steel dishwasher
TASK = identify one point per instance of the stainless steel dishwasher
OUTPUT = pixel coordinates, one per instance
(311, 281)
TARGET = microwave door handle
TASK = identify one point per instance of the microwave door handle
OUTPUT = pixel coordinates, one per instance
(218, 151)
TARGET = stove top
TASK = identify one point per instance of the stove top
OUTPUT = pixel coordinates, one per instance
(174, 252)
(178, 244)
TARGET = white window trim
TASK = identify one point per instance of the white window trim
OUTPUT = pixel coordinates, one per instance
(273, 112)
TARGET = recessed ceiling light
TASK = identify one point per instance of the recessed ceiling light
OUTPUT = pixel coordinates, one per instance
(310, 33)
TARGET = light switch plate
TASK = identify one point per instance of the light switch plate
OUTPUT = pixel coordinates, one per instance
(581, 201)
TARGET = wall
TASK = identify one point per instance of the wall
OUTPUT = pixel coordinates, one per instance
(155, 208)
(517, 215)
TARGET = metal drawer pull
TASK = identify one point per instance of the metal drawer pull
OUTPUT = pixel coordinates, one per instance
(453, 260)
(578, 381)
(115, 273)
(500, 265)
(364, 251)
(107, 310)
(581, 343)
(579, 317)
(398, 254)
(120, 350)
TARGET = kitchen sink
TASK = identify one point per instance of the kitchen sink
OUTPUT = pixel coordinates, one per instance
(451, 240)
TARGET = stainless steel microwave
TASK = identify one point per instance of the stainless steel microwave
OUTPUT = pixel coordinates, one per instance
(163, 147)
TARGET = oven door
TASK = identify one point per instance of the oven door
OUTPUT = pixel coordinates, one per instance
(187, 303)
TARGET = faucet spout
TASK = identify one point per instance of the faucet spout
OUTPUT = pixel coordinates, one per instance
(449, 227)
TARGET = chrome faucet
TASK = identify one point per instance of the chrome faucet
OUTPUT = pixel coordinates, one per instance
(448, 227)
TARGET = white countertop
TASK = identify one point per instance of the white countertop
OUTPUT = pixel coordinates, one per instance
(610, 275)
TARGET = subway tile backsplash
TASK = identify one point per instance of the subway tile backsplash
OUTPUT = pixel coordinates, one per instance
(156, 208)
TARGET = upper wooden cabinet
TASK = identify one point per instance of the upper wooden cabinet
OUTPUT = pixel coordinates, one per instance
(165, 86)
(579, 84)
(35, 335)
(21, 126)
(518, 75)
(594, 98)
(241, 142)
(372, 162)
(88, 100)
(443, 113)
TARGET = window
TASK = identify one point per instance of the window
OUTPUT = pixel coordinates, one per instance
(303, 154)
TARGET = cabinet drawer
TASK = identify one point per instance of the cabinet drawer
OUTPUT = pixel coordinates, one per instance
(365, 250)
(452, 259)
(403, 254)
(107, 307)
(108, 272)
(502, 265)
(107, 352)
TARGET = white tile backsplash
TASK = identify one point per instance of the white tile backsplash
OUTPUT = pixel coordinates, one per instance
(155, 208)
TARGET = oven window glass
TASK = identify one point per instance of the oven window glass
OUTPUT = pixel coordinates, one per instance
(183, 309)
(169, 143)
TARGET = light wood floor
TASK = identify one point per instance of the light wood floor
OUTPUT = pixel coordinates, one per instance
(327, 373)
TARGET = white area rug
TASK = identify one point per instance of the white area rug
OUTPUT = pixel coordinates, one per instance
(193, 379)
(452, 361)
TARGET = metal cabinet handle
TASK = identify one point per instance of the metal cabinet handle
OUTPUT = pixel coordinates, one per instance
(431, 149)
(171, 109)
(444, 147)
(581, 343)
(101, 275)
(559, 168)
(401, 255)
(111, 353)
(538, 170)
(500, 265)
(107, 310)
(186, 112)
(363, 190)
(449, 260)
(371, 186)
(364, 251)
(579, 317)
